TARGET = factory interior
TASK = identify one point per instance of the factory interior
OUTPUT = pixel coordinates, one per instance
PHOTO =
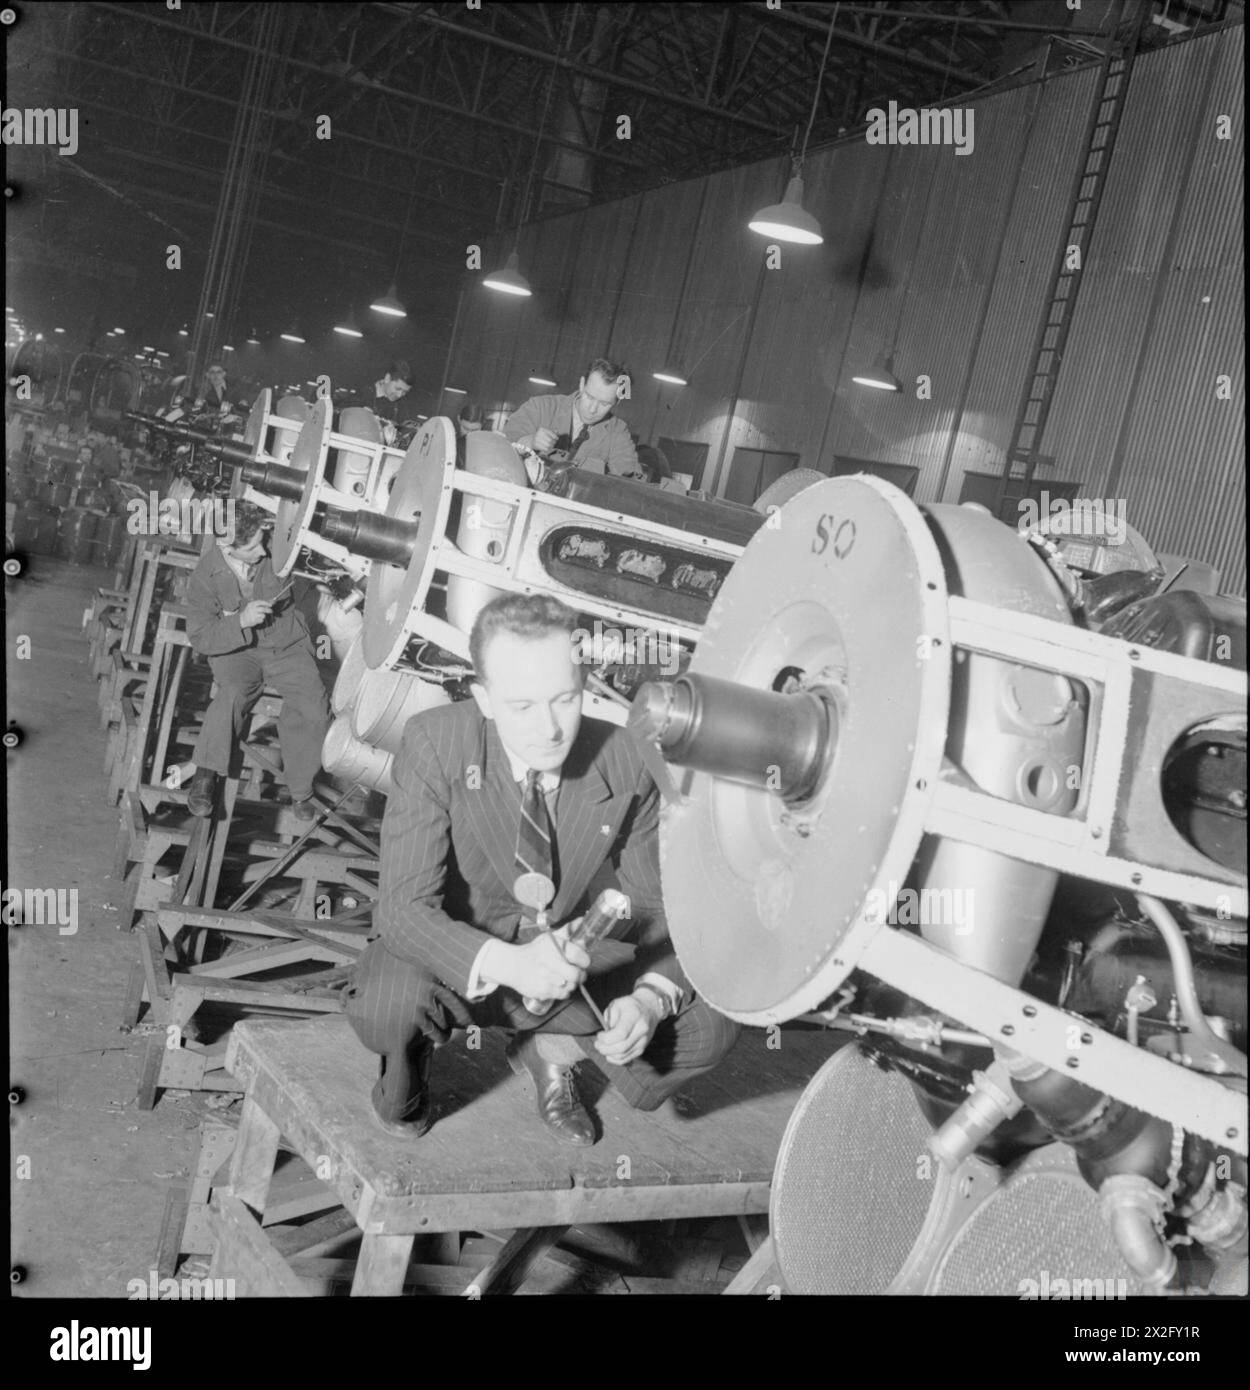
(626, 661)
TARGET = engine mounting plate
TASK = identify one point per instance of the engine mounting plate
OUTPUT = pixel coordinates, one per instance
(422, 492)
(293, 517)
(766, 904)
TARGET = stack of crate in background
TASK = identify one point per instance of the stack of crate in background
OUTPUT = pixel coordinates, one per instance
(60, 492)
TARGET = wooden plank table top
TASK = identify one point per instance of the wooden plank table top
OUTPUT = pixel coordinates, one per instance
(488, 1161)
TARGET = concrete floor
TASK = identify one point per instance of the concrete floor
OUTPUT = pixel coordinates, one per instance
(87, 1217)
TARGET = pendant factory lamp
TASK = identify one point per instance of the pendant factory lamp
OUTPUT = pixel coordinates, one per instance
(788, 220)
(672, 368)
(292, 335)
(390, 303)
(509, 280)
(348, 328)
(252, 339)
(880, 375)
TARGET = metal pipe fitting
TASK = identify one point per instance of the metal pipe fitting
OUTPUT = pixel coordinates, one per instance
(1134, 1208)
(371, 534)
(990, 1103)
(780, 743)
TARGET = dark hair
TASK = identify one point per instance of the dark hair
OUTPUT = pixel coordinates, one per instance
(531, 616)
(607, 369)
(248, 519)
(471, 413)
(400, 370)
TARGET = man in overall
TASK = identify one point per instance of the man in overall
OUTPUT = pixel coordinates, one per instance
(516, 781)
(243, 618)
(580, 428)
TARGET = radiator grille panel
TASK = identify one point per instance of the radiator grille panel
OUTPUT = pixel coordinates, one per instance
(1043, 1225)
(847, 1201)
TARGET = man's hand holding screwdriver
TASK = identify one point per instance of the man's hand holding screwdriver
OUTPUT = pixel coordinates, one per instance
(548, 967)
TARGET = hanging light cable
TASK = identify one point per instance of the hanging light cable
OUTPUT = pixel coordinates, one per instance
(509, 280)
(390, 303)
(880, 376)
(788, 220)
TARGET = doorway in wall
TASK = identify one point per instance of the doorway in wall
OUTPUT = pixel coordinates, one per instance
(752, 470)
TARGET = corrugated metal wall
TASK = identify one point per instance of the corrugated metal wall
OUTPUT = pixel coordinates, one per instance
(943, 259)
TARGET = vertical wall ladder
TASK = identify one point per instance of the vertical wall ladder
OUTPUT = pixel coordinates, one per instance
(1065, 281)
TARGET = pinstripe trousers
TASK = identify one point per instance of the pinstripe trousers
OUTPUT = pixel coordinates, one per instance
(396, 1006)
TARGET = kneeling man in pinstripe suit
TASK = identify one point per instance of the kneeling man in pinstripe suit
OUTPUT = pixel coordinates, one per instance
(511, 782)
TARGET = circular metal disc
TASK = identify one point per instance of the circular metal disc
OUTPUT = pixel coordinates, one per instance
(765, 906)
(294, 517)
(787, 487)
(534, 890)
(423, 493)
(1043, 1225)
(257, 421)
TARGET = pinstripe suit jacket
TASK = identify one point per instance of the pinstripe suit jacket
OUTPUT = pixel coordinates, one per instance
(450, 831)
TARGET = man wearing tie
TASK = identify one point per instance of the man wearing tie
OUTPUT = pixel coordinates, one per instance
(580, 427)
(516, 782)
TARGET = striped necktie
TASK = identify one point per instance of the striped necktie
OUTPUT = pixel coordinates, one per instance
(533, 844)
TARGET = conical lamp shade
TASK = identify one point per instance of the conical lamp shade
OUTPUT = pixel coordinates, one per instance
(390, 304)
(880, 376)
(509, 280)
(786, 220)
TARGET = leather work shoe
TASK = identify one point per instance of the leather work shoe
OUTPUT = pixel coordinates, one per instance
(558, 1104)
(202, 792)
(408, 1115)
(305, 808)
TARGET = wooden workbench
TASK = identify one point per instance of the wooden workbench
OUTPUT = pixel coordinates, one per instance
(488, 1163)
